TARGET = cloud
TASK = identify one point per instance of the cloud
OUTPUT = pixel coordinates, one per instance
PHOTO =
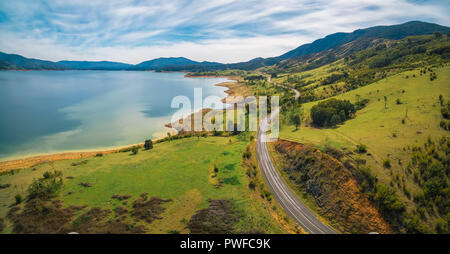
(213, 30)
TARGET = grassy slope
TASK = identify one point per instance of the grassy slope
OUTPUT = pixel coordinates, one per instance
(374, 125)
(180, 170)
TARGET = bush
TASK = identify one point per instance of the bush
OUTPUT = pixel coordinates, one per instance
(362, 148)
(387, 200)
(18, 199)
(148, 144)
(387, 163)
(46, 187)
(134, 150)
(331, 112)
(252, 185)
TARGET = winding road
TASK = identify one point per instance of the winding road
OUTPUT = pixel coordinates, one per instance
(287, 199)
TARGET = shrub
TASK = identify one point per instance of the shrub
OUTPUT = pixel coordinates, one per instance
(387, 200)
(387, 163)
(134, 150)
(362, 148)
(18, 199)
(47, 186)
(148, 144)
(252, 185)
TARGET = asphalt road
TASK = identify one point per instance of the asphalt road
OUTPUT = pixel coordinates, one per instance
(287, 199)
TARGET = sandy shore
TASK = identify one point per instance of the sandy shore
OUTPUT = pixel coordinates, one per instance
(234, 89)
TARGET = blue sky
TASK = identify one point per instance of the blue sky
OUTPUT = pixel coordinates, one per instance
(213, 30)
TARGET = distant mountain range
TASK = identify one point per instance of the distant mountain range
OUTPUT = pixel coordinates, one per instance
(394, 32)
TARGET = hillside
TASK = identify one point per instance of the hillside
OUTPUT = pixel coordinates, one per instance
(394, 32)
(89, 65)
(167, 189)
(396, 138)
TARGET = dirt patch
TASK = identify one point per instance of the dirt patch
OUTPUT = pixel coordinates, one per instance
(74, 164)
(332, 186)
(148, 209)
(219, 218)
(121, 197)
(42, 217)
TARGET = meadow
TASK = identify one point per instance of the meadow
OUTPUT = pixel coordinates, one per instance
(410, 116)
(190, 172)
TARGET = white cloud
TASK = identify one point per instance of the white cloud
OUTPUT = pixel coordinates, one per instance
(212, 30)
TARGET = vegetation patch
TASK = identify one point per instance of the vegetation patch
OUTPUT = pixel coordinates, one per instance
(4, 186)
(121, 197)
(331, 112)
(42, 217)
(95, 221)
(148, 209)
(47, 186)
(219, 218)
(333, 188)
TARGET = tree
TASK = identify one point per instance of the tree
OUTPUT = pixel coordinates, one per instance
(437, 34)
(47, 186)
(148, 144)
(295, 119)
(323, 112)
(385, 101)
(134, 150)
(335, 120)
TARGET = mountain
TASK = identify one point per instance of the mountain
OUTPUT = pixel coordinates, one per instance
(338, 43)
(88, 65)
(394, 32)
(163, 62)
(355, 41)
(17, 62)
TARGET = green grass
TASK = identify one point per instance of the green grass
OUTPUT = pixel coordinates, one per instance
(180, 170)
(381, 129)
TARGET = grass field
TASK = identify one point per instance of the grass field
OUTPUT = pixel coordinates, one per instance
(181, 170)
(381, 129)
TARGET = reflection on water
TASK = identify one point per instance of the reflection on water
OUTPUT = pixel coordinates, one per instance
(49, 111)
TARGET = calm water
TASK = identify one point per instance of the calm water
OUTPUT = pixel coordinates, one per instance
(52, 111)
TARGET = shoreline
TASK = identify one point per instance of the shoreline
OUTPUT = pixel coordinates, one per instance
(28, 161)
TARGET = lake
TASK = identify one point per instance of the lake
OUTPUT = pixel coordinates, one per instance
(53, 111)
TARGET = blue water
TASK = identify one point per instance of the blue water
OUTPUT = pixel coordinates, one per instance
(53, 111)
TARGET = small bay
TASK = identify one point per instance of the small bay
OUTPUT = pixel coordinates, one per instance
(54, 111)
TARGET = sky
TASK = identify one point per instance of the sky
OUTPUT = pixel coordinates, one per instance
(224, 31)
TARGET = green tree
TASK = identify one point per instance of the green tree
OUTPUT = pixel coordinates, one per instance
(335, 120)
(148, 144)
(295, 119)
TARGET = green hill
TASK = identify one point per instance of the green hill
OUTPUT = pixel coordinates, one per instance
(397, 143)
(175, 182)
